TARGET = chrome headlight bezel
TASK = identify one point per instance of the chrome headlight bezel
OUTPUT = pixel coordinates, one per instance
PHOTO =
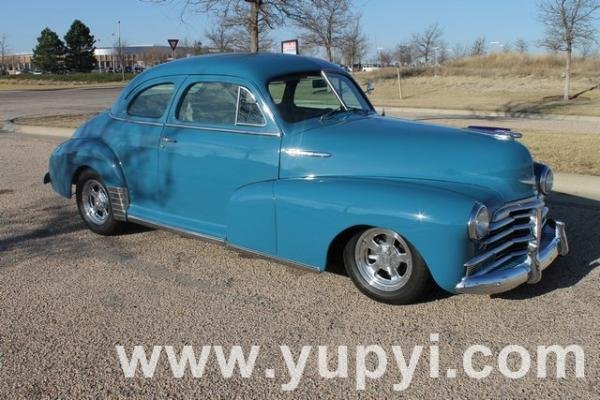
(545, 180)
(479, 222)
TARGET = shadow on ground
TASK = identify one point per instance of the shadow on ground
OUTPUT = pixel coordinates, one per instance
(538, 107)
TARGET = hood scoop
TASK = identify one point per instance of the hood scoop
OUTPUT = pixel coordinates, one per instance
(497, 132)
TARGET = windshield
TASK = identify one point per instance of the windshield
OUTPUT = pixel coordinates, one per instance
(316, 95)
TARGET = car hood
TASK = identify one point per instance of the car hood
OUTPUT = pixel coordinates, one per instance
(392, 148)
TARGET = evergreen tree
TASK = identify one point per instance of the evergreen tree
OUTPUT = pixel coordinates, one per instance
(49, 52)
(79, 48)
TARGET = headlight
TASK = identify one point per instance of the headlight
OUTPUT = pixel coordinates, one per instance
(479, 222)
(544, 178)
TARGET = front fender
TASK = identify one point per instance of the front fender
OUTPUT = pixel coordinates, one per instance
(312, 212)
(74, 154)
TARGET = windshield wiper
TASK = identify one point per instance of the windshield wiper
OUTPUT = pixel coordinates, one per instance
(331, 113)
(352, 110)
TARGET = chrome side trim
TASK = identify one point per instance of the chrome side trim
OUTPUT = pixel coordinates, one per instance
(212, 239)
(229, 130)
(170, 228)
(119, 202)
(294, 152)
(270, 257)
(135, 121)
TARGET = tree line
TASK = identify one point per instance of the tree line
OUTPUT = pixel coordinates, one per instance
(334, 26)
(245, 25)
(429, 47)
(74, 54)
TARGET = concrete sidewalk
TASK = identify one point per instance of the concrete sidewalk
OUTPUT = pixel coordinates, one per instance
(441, 112)
(586, 186)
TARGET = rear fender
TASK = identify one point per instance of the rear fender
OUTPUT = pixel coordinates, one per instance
(73, 155)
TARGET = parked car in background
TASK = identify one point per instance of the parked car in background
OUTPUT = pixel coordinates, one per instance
(371, 67)
(285, 157)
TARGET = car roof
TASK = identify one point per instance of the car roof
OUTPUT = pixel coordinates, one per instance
(259, 67)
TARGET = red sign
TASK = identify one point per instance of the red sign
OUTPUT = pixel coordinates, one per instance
(290, 47)
(173, 43)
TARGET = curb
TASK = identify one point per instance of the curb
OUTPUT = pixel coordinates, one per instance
(11, 127)
(587, 186)
(479, 113)
(55, 89)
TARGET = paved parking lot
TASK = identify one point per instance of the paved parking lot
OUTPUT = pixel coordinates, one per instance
(67, 297)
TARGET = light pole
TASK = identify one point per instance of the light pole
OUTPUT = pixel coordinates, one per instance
(435, 55)
(120, 51)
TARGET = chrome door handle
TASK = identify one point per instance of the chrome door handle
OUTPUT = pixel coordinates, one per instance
(166, 139)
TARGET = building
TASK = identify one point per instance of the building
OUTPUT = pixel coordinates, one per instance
(107, 58)
(15, 63)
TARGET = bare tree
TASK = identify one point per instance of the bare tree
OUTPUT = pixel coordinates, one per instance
(3, 52)
(354, 44)
(322, 22)
(252, 15)
(442, 53)
(385, 58)
(569, 24)
(521, 46)
(220, 38)
(425, 43)
(459, 51)
(478, 48)
(404, 54)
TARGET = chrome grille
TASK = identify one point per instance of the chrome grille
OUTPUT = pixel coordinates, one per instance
(512, 228)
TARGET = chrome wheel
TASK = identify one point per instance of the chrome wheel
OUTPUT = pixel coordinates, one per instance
(384, 259)
(95, 201)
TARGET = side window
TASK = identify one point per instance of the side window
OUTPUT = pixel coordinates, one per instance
(219, 103)
(152, 102)
(276, 89)
(248, 110)
(209, 103)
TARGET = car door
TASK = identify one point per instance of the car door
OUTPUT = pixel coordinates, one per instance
(134, 136)
(219, 137)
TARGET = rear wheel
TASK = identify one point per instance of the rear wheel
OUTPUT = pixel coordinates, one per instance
(94, 205)
(385, 267)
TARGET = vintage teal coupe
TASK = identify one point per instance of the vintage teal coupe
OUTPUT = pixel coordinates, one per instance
(284, 156)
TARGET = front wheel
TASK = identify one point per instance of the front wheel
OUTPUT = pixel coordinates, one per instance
(385, 267)
(94, 205)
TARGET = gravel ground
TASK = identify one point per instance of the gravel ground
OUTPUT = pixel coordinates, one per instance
(67, 297)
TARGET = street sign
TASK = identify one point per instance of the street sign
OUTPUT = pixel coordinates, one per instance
(290, 47)
(173, 43)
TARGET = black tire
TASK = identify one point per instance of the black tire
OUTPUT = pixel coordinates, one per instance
(106, 224)
(418, 282)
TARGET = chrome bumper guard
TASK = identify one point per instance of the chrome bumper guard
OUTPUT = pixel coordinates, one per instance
(539, 256)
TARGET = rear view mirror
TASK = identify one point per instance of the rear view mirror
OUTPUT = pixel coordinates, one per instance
(319, 84)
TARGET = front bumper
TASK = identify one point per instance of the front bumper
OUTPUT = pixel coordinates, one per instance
(540, 255)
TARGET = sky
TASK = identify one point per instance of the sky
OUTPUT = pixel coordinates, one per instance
(386, 22)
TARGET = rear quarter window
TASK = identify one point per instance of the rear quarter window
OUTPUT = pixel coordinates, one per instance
(151, 102)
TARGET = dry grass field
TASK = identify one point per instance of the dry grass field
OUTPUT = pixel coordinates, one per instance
(577, 154)
(511, 83)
